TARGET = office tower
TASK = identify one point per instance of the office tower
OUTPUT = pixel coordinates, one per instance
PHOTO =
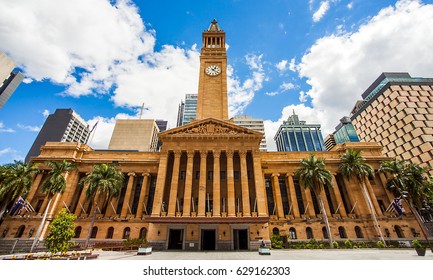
(9, 81)
(295, 135)
(345, 132)
(254, 124)
(187, 109)
(65, 125)
(329, 142)
(138, 135)
(397, 112)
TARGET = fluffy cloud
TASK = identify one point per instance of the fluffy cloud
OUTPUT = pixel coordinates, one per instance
(324, 7)
(10, 155)
(29, 127)
(340, 67)
(282, 65)
(241, 94)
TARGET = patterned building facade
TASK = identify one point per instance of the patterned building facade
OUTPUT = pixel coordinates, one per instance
(210, 187)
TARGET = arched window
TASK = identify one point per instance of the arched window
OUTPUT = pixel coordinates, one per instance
(399, 232)
(77, 232)
(309, 232)
(342, 232)
(94, 232)
(143, 233)
(110, 232)
(387, 233)
(20, 231)
(414, 232)
(325, 233)
(292, 232)
(126, 233)
(275, 231)
(358, 232)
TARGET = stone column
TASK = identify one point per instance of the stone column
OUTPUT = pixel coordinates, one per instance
(342, 209)
(126, 205)
(293, 199)
(259, 185)
(143, 192)
(216, 184)
(35, 186)
(373, 198)
(231, 207)
(188, 184)
(325, 201)
(71, 187)
(277, 196)
(201, 208)
(245, 189)
(160, 184)
(352, 199)
(383, 180)
(81, 201)
(310, 204)
(172, 201)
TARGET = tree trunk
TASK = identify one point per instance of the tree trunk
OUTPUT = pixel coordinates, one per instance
(373, 214)
(325, 219)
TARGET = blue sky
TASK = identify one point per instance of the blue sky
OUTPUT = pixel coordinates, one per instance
(105, 58)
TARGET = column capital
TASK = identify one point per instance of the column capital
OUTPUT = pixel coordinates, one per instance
(203, 154)
(289, 174)
(177, 153)
(275, 174)
(255, 152)
(132, 174)
(190, 153)
(229, 153)
(242, 153)
(216, 153)
(145, 174)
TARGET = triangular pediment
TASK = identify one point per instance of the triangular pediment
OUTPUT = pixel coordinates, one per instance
(210, 127)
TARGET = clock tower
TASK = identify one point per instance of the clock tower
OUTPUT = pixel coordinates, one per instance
(212, 85)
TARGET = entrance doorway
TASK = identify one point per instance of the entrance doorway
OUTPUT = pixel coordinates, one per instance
(240, 239)
(175, 239)
(208, 237)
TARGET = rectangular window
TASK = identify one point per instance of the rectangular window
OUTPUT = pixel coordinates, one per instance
(182, 175)
(197, 174)
(210, 175)
(222, 175)
(236, 175)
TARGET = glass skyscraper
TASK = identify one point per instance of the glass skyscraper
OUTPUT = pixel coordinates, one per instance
(345, 132)
(187, 109)
(297, 136)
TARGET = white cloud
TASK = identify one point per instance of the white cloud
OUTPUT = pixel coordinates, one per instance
(287, 86)
(302, 97)
(3, 129)
(272, 93)
(350, 6)
(340, 67)
(241, 94)
(46, 113)
(8, 155)
(292, 65)
(323, 9)
(29, 127)
(282, 65)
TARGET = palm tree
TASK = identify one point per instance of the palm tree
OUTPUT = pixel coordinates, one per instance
(54, 184)
(313, 175)
(15, 181)
(353, 165)
(410, 182)
(104, 182)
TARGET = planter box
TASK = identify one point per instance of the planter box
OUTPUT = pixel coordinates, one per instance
(420, 251)
(264, 251)
(144, 251)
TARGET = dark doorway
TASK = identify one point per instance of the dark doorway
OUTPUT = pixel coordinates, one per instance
(208, 239)
(240, 239)
(175, 239)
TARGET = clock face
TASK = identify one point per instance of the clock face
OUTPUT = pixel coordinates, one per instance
(212, 70)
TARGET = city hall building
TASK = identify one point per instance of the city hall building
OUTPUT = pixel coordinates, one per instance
(210, 187)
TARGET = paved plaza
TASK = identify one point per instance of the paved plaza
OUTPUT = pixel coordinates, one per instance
(329, 254)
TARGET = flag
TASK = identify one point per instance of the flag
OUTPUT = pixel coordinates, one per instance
(17, 206)
(398, 207)
(94, 126)
(28, 206)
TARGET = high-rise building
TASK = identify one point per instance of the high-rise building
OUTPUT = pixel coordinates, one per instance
(187, 109)
(329, 142)
(397, 112)
(9, 81)
(210, 187)
(65, 125)
(138, 135)
(254, 124)
(298, 136)
(345, 132)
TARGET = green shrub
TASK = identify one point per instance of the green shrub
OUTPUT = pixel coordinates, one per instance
(380, 244)
(336, 245)
(61, 232)
(276, 241)
(348, 244)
